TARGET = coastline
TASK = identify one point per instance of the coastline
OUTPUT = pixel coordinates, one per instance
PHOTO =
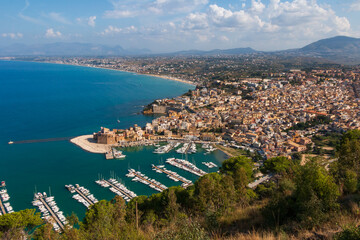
(86, 143)
(151, 75)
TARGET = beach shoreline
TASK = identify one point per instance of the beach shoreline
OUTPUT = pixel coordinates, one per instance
(146, 74)
(86, 143)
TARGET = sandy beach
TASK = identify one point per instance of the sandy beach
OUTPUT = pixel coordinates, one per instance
(152, 75)
(87, 143)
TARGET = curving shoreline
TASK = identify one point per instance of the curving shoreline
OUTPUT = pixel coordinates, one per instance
(151, 75)
(86, 143)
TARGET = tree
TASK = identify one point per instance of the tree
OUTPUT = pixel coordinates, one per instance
(280, 165)
(105, 220)
(211, 193)
(346, 170)
(316, 193)
(231, 166)
(14, 224)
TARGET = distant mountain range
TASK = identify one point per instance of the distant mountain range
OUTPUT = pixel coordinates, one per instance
(68, 49)
(338, 49)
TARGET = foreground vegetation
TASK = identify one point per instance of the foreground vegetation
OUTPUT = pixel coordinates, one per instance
(300, 202)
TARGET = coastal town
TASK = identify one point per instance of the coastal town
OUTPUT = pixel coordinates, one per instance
(277, 114)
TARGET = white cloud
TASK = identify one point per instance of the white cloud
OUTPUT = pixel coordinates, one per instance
(91, 21)
(257, 6)
(120, 14)
(127, 9)
(12, 35)
(50, 33)
(110, 30)
(58, 18)
(355, 6)
(27, 18)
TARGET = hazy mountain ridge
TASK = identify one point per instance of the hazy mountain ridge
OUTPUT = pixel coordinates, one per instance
(340, 49)
(68, 49)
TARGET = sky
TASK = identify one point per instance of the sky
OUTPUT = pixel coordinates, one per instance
(173, 25)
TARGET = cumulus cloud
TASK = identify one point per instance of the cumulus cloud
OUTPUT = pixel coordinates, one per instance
(91, 21)
(297, 18)
(114, 30)
(50, 33)
(12, 35)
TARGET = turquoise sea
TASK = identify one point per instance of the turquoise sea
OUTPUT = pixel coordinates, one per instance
(41, 100)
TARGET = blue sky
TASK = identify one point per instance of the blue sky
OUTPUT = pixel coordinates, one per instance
(171, 25)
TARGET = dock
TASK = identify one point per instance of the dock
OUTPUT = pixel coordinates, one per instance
(3, 212)
(109, 155)
(50, 211)
(185, 165)
(5, 206)
(117, 188)
(172, 175)
(83, 195)
(138, 176)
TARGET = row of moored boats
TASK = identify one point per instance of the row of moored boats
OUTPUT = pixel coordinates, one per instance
(83, 195)
(185, 165)
(4, 199)
(172, 175)
(50, 211)
(117, 188)
(140, 177)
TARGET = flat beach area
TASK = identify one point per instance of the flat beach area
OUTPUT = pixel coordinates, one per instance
(87, 143)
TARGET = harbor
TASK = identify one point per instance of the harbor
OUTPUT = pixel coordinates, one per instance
(117, 188)
(172, 175)
(165, 149)
(83, 195)
(187, 148)
(50, 211)
(139, 177)
(185, 165)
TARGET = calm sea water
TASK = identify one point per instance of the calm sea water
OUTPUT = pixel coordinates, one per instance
(40, 100)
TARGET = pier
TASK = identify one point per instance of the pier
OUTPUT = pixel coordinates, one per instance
(83, 195)
(3, 212)
(53, 215)
(5, 206)
(138, 176)
(119, 188)
(185, 165)
(41, 140)
(171, 174)
(50, 211)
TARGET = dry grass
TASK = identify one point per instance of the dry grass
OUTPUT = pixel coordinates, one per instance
(253, 236)
(243, 219)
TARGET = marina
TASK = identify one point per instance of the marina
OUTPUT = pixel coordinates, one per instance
(117, 188)
(172, 175)
(187, 148)
(50, 211)
(139, 177)
(185, 165)
(83, 195)
(165, 149)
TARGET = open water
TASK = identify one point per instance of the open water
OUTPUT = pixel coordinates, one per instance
(41, 100)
